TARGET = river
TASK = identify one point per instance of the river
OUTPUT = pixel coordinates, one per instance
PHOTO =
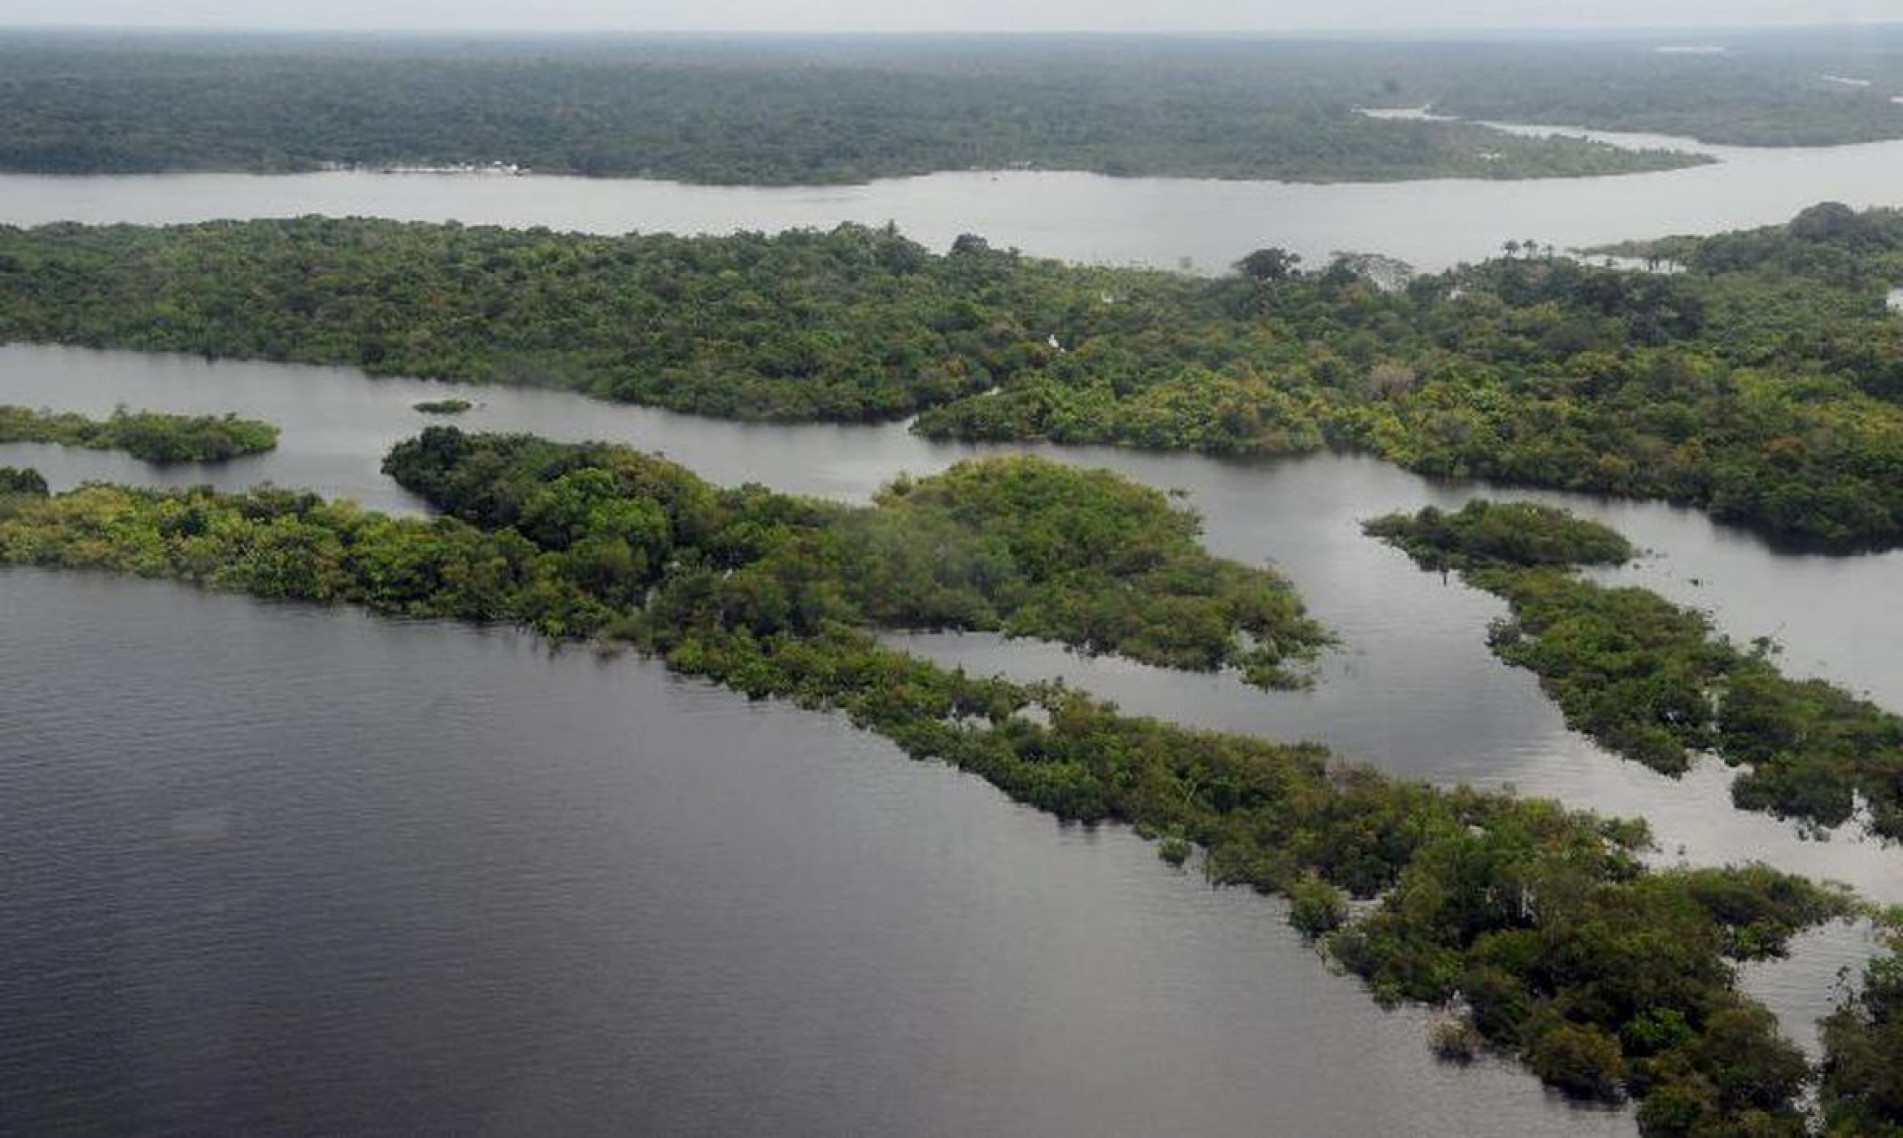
(272, 869)
(276, 867)
(1165, 222)
(1413, 689)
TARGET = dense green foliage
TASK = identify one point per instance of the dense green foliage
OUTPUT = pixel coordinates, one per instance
(1789, 87)
(573, 539)
(844, 109)
(1766, 389)
(1518, 533)
(766, 112)
(1019, 545)
(1862, 1091)
(853, 324)
(1764, 385)
(22, 480)
(148, 435)
(1651, 682)
(443, 406)
(1606, 977)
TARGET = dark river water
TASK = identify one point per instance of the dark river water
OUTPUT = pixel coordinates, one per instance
(276, 868)
(272, 864)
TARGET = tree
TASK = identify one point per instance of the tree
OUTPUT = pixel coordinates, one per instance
(22, 480)
(1266, 265)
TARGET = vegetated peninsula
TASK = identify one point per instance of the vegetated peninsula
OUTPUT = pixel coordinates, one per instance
(1650, 681)
(149, 435)
(1606, 977)
(765, 112)
(1764, 384)
(1021, 546)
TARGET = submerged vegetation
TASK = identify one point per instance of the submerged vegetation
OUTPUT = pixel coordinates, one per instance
(1650, 680)
(1765, 385)
(147, 435)
(1606, 977)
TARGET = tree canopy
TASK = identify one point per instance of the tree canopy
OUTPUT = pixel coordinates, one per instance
(149, 435)
(765, 113)
(1764, 384)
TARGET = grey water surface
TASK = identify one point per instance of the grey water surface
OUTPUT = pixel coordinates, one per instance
(1199, 224)
(277, 868)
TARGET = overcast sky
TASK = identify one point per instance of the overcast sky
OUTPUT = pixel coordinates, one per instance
(963, 15)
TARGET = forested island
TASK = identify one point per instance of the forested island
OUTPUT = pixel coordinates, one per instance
(1764, 384)
(149, 435)
(1544, 927)
(573, 540)
(757, 112)
(1650, 681)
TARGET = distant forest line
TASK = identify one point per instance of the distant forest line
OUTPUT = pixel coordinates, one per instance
(777, 111)
(761, 112)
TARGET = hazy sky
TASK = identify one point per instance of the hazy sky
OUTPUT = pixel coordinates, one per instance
(968, 15)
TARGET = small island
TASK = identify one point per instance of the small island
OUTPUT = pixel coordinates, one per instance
(442, 406)
(148, 435)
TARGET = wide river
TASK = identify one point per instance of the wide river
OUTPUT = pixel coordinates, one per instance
(1164, 222)
(272, 867)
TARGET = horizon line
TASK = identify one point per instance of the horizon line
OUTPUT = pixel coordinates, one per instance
(813, 33)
